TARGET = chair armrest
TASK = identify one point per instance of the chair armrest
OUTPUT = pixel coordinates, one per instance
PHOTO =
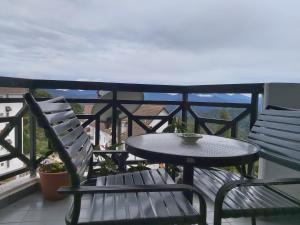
(249, 182)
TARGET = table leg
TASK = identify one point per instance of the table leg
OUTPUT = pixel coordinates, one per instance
(188, 176)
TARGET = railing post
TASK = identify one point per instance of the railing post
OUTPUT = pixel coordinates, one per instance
(234, 130)
(32, 142)
(185, 97)
(254, 108)
(97, 130)
(197, 126)
(129, 126)
(114, 119)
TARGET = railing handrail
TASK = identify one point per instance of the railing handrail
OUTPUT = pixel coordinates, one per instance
(92, 85)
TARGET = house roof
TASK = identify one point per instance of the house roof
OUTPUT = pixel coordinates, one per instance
(8, 90)
(143, 110)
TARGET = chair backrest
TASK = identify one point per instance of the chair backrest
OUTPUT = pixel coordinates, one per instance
(65, 132)
(278, 134)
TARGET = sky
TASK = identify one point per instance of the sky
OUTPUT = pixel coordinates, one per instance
(157, 41)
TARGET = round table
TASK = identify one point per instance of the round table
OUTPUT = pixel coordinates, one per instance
(209, 151)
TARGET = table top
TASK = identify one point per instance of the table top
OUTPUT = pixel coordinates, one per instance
(206, 152)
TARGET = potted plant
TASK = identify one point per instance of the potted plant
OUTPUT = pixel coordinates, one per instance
(53, 175)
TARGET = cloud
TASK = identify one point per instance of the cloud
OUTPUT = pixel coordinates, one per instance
(164, 42)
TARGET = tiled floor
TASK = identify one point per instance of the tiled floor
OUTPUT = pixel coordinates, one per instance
(33, 210)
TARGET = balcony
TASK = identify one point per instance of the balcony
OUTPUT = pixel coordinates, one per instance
(23, 143)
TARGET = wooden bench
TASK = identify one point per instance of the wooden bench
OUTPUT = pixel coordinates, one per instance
(277, 132)
(145, 197)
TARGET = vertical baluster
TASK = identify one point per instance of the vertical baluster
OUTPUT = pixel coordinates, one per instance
(32, 141)
(254, 108)
(184, 108)
(114, 119)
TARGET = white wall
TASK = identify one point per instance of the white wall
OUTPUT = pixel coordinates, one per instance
(285, 95)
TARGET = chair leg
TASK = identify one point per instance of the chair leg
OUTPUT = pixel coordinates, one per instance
(217, 218)
(253, 220)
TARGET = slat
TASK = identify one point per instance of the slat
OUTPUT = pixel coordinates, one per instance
(120, 200)
(279, 119)
(275, 141)
(245, 193)
(169, 200)
(85, 163)
(278, 150)
(54, 107)
(131, 199)
(181, 200)
(109, 201)
(213, 185)
(72, 136)
(283, 113)
(54, 100)
(276, 133)
(66, 125)
(96, 212)
(143, 198)
(246, 198)
(156, 200)
(265, 193)
(77, 144)
(278, 126)
(60, 116)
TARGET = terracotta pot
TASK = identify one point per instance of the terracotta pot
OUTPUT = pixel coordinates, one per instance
(50, 182)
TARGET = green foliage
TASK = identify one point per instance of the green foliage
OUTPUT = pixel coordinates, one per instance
(107, 167)
(54, 167)
(140, 166)
(175, 127)
(40, 93)
(41, 140)
(77, 108)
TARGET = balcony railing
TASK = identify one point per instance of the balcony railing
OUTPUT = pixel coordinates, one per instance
(184, 107)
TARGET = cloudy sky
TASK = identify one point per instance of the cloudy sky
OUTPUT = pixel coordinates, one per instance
(157, 41)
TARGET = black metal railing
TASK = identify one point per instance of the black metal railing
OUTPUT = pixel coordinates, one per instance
(184, 107)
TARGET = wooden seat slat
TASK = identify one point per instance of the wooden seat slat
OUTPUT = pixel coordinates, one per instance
(156, 200)
(181, 200)
(276, 133)
(132, 202)
(120, 200)
(279, 126)
(66, 125)
(256, 197)
(248, 192)
(276, 141)
(54, 107)
(169, 200)
(72, 136)
(77, 145)
(280, 119)
(60, 116)
(145, 203)
(283, 113)
(109, 202)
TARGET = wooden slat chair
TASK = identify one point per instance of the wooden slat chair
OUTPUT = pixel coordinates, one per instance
(277, 132)
(146, 197)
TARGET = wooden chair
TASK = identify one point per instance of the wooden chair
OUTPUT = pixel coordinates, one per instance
(277, 132)
(145, 197)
